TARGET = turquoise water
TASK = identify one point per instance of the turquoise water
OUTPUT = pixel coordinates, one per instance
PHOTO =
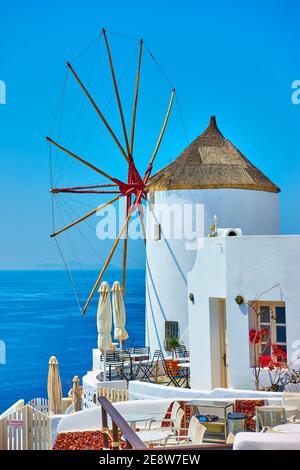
(39, 317)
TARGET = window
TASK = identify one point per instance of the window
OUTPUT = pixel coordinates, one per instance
(157, 232)
(171, 331)
(269, 316)
(151, 199)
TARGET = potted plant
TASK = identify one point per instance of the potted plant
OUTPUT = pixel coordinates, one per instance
(172, 344)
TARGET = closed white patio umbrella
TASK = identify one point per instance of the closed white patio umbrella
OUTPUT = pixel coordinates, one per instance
(104, 322)
(120, 332)
(54, 388)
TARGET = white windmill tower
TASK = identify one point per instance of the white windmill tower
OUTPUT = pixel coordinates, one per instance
(210, 177)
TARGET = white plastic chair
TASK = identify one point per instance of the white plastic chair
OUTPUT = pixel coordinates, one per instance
(173, 430)
(156, 424)
(194, 434)
(267, 416)
(292, 399)
(230, 438)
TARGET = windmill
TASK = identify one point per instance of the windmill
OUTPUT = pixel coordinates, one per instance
(134, 190)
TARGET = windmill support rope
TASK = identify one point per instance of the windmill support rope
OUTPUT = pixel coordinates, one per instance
(97, 109)
(89, 214)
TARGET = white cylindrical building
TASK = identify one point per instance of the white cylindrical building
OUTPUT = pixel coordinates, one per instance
(209, 178)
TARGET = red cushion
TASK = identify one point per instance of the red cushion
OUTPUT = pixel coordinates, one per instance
(185, 421)
(248, 407)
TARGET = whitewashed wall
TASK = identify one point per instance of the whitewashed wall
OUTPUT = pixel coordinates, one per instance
(169, 261)
(245, 266)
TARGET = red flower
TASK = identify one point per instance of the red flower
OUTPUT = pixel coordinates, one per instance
(256, 336)
(265, 361)
(252, 334)
(279, 353)
(264, 334)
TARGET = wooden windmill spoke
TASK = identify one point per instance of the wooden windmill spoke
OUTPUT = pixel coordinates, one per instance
(160, 136)
(93, 167)
(128, 206)
(97, 109)
(117, 92)
(124, 261)
(84, 191)
(106, 263)
(94, 186)
(84, 217)
(137, 82)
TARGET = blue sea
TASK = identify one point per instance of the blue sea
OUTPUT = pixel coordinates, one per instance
(39, 317)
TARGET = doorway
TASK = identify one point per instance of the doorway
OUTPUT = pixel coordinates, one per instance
(218, 343)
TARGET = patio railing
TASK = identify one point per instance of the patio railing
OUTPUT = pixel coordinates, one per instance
(118, 425)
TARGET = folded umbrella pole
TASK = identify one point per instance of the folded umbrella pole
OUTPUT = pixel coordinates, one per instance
(119, 313)
(54, 388)
(104, 323)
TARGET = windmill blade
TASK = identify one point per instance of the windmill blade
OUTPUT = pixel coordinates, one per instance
(137, 82)
(97, 109)
(149, 169)
(84, 217)
(106, 264)
(117, 93)
(124, 261)
(128, 205)
(91, 186)
(93, 167)
(84, 191)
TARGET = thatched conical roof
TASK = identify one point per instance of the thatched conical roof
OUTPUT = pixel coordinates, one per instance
(211, 161)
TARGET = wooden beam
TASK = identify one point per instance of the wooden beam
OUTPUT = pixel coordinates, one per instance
(89, 214)
(94, 186)
(97, 109)
(124, 263)
(128, 205)
(83, 191)
(117, 92)
(106, 264)
(93, 167)
(137, 82)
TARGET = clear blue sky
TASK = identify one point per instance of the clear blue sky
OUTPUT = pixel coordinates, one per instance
(234, 59)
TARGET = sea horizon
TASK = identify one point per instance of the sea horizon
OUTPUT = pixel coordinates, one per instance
(40, 317)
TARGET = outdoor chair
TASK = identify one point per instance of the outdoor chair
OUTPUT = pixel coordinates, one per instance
(148, 371)
(167, 422)
(292, 399)
(191, 436)
(129, 370)
(113, 361)
(181, 352)
(230, 438)
(269, 417)
(174, 431)
(176, 376)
